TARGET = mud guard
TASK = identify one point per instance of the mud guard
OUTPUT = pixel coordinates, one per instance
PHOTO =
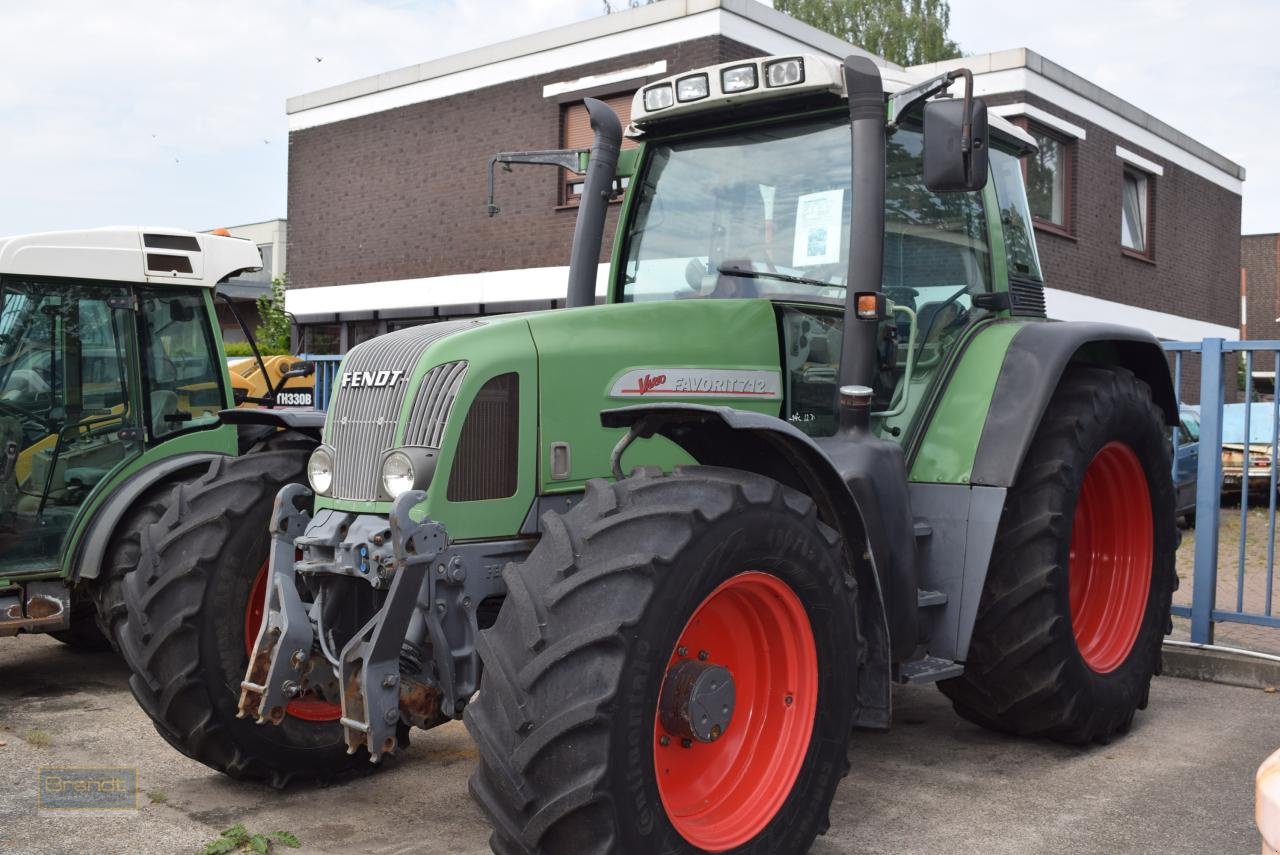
(101, 528)
(1037, 356)
(769, 446)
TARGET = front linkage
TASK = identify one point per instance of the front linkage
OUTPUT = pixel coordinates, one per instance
(425, 593)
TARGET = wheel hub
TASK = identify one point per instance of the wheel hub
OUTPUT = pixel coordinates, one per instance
(697, 701)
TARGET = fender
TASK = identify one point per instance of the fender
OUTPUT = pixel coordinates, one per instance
(769, 446)
(303, 421)
(101, 528)
(1037, 356)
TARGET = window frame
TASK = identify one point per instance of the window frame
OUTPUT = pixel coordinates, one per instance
(565, 199)
(1147, 253)
(1068, 143)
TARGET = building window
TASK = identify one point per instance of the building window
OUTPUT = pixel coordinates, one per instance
(322, 339)
(575, 133)
(1049, 180)
(1135, 226)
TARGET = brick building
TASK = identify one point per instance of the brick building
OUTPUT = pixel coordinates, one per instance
(1260, 287)
(1136, 221)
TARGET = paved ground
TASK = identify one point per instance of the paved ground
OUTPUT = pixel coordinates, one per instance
(1180, 783)
(1242, 577)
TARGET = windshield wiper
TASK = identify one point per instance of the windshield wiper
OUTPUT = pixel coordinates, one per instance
(772, 274)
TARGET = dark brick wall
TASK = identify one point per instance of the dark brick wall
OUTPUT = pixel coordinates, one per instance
(400, 194)
(1260, 259)
(1196, 252)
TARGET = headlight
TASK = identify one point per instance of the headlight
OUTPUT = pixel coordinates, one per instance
(692, 88)
(658, 98)
(397, 474)
(740, 78)
(320, 471)
(784, 72)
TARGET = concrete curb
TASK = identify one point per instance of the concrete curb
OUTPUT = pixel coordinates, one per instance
(1218, 666)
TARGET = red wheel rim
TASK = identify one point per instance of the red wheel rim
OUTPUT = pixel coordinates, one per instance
(1111, 554)
(306, 708)
(720, 794)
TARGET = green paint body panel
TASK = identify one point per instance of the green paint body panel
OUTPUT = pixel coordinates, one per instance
(502, 345)
(582, 352)
(951, 438)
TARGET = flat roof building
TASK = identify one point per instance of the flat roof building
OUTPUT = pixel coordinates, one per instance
(1136, 221)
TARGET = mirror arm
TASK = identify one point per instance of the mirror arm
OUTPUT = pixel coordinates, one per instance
(570, 159)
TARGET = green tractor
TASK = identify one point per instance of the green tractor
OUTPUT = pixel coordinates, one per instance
(664, 554)
(112, 383)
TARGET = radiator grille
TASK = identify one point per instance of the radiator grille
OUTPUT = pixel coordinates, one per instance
(362, 420)
(485, 466)
(1026, 297)
(436, 394)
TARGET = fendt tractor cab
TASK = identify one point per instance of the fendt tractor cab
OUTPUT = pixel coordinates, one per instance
(820, 439)
(112, 381)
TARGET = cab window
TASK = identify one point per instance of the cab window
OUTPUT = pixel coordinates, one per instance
(180, 362)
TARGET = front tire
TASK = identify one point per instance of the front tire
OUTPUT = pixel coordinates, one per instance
(1076, 600)
(189, 623)
(706, 571)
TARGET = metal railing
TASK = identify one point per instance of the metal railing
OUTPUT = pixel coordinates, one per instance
(326, 375)
(1246, 588)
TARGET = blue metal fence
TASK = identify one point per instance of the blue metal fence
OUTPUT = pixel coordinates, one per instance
(1252, 600)
(326, 373)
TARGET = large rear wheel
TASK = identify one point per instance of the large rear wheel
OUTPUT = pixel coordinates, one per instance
(1076, 601)
(673, 671)
(194, 605)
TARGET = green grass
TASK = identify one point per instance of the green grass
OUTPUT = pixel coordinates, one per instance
(157, 797)
(238, 839)
(37, 738)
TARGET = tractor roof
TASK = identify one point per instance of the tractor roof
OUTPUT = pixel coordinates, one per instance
(129, 254)
(768, 78)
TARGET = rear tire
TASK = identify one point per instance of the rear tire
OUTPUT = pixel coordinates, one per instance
(1076, 600)
(184, 636)
(567, 720)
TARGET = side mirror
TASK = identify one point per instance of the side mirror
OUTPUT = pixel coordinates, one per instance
(950, 165)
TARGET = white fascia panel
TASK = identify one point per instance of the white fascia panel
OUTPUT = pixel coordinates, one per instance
(1148, 166)
(1041, 117)
(491, 288)
(591, 81)
(1069, 306)
(1024, 80)
(606, 47)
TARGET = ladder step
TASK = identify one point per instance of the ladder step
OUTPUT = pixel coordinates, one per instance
(927, 599)
(929, 669)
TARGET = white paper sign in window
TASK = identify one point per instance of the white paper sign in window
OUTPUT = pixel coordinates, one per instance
(818, 221)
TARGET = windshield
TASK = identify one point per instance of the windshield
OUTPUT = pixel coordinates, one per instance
(764, 212)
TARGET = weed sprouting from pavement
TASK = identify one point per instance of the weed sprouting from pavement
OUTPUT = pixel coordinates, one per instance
(238, 839)
(157, 797)
(37, 738)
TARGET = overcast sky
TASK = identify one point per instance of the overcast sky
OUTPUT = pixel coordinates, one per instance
(172, 113)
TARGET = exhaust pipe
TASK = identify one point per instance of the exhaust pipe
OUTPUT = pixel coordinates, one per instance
(588, 232)
(866, 218)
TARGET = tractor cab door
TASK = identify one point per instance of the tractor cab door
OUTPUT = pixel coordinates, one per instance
(936, 258)
(69, 408)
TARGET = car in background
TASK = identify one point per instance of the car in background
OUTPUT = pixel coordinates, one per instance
(1259, 445)
(1186, 460)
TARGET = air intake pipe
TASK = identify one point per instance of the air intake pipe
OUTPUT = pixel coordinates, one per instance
(588, 232)
(866, 218)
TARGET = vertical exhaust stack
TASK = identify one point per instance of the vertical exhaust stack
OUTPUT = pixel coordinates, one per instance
(588, 232)
(866, 218)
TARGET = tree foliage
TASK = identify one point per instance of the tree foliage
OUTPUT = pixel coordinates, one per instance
(273, 334)
(908, 32)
